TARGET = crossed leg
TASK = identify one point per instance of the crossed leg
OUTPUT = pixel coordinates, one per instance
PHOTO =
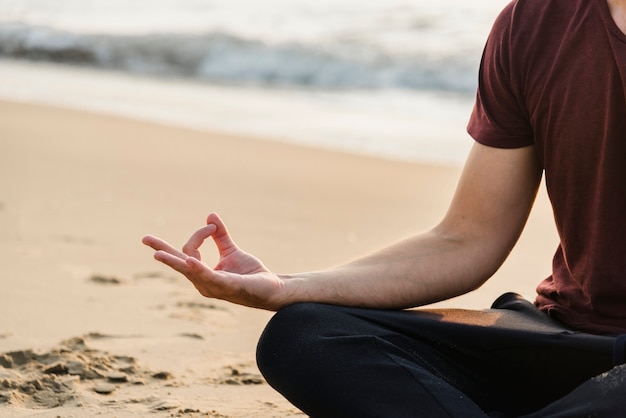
(335, 361)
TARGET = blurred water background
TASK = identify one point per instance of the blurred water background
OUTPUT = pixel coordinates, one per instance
(392, 78)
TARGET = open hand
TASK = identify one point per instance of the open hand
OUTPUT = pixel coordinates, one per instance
(238, 276)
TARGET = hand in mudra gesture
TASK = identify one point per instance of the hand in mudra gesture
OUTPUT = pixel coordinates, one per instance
(238, 276)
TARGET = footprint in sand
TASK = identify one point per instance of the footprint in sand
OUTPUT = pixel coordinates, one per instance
(106, 280)
(197, 311)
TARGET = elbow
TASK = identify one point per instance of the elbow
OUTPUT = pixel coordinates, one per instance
(475, 258)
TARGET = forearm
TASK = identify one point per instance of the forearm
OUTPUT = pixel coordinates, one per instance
(421, 270)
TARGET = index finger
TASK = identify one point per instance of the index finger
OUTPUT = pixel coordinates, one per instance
(192, 246)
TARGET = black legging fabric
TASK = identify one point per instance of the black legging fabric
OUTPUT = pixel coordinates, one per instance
(507, 361)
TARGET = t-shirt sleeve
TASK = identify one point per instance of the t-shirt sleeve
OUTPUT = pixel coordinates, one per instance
(499, 118)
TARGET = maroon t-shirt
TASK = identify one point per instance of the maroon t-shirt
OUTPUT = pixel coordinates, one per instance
(553, 75)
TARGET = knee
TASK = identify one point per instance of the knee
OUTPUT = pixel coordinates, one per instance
(292, 336)
(287, 332)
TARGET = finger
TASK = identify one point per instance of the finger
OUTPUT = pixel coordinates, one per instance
(193, 269)
(209, 282)
(196, 266)
(223, 241)
(177, 263)
(191, 247)
(158, 244)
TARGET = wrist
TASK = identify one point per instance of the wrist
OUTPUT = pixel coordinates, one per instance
(290, 291)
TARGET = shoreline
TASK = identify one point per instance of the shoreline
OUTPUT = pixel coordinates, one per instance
(407, 126)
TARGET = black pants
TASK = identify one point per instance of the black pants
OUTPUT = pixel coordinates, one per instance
(507, 361)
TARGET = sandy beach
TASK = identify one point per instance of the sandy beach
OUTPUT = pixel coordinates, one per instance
(91, 325)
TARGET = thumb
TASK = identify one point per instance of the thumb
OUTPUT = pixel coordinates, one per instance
(221, 236)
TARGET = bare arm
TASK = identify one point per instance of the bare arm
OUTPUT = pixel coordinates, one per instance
(485, 218)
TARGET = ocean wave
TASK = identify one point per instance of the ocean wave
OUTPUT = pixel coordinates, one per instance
(226, 58)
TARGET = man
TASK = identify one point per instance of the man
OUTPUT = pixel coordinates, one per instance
(551, 99)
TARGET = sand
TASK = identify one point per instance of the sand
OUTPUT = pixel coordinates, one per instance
(90, 325)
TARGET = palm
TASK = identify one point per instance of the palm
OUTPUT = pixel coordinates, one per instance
(240, 262)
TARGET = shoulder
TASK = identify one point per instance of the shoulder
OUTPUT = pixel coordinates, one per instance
(545, 14)
(533, 26)
(538, 7)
